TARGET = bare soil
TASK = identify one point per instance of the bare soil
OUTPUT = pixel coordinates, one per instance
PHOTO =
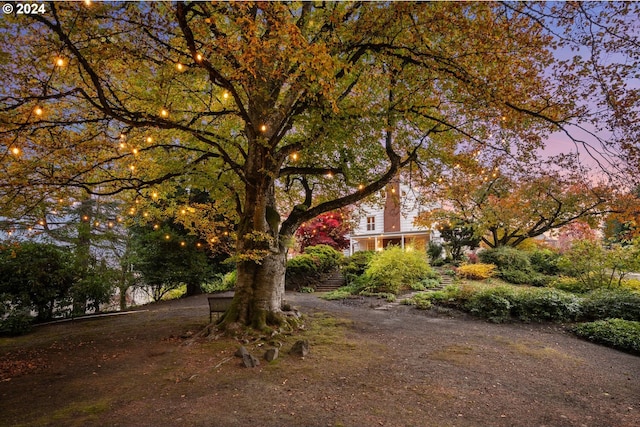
(366, 367)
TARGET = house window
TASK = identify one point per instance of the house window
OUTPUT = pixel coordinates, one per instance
(371, 223)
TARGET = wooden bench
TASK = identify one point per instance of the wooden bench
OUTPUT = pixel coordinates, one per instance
(218, 304)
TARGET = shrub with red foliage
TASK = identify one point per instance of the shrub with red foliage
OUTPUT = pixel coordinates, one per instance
(327, 229)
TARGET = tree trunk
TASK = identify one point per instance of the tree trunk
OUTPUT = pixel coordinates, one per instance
(259, 293)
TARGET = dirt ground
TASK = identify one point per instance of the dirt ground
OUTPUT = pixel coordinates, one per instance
(366, 367)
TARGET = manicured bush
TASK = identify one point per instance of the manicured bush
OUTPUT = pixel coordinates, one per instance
(543, 304)
(303, 264)
(394, 270)
(617, 333)
(476, 271)
(327, 257)
(611, 303)
(493, 304)
(506, 258)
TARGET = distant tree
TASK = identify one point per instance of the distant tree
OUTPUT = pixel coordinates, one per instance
(326, 229)
(505, 207)
(576, 231)
(37, 275)
(167, 257)
(457, 237)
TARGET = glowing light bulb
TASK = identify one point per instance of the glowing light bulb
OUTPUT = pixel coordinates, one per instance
(167, 237)
(134, 151)
(294, 156)
(225, 95)
(156, 226)
(183, 211)
(164, 112)
(38, 111)
(85, 218)
(132, 168)
(15, 151)
(123, 136)
(87, 2)
(123, 145)
(60, 62)
(149, 139)
(198, 57)
(97, 223)
(263, 128)
(154, 195)
(361, 187)
(179, 66)
(182, 243)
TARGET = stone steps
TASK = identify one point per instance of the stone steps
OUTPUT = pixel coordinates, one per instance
(331, 283)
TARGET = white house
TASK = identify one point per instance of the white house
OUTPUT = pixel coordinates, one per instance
(391, 224)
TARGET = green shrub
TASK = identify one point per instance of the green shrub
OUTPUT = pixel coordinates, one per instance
(506, 258)
(617, 333)
(230, 279)
(569, 284)
(476, 271)
(434, 251)
(355, 265)
(544, 261)
(420, 301)
(545, 304)
(327, 258)
(492, 303)
(174, 293)
(303, 264)
(517, 277)
(340, 293)
(611, 303)
(18, 322)
(394, 270)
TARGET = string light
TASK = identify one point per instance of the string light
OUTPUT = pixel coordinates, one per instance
(183, 211)
(123, 145)
(60, 62)
(164, 112)
(15, 151)
(294, 156)
(134, 151)
(132, 168)
(198, 57)
(87, 2)
(225, 95)
(361, 187)
(149, 139)
(263, 128)
(38, 111)
(167, 237)
(179, 66)
(182, 243)
(154, 195)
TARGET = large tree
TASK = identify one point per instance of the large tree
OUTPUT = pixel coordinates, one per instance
(505, 208)
(280, 111)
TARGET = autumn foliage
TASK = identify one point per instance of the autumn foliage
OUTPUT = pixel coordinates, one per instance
(326, 229)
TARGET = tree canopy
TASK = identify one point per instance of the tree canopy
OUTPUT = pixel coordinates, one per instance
(281, 111)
